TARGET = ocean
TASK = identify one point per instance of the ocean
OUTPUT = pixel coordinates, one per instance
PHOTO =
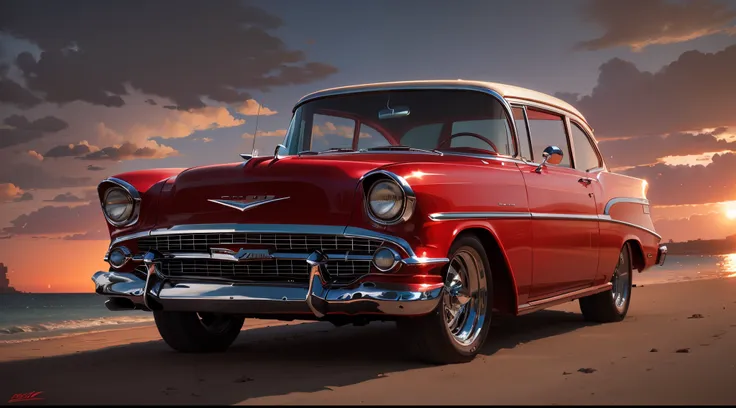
(28, 317)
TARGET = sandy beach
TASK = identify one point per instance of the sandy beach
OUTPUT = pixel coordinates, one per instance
(549, 357)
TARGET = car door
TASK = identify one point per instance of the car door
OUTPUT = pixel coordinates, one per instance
(562, 200)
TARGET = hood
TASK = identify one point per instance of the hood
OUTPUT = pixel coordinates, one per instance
(296, 190)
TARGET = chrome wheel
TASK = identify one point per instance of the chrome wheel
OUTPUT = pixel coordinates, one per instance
(464, 302)
(621, 282)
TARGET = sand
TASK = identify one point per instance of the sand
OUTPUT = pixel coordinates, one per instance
(533, 359)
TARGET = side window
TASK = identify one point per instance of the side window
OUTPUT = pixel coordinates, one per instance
(548, 129)
(423, 137)
(524, 146)
(331, 132)
(495, 130)
(585, 156)
(370, 137)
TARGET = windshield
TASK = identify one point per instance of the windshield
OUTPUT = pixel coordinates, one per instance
(442, 120)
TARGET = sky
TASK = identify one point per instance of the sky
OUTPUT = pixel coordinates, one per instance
(89, 89)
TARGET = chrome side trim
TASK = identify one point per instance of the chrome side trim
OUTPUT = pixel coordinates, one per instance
(134, 194)
(565, 297)
(578, 217)
(619, 200)
(413, 259)
(544, 216)
(409, 199)
(477, 215)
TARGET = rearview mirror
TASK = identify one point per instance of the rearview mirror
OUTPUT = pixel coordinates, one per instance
(552, 155)
(390, 113)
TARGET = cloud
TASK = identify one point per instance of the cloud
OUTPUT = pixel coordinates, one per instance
(81, 62)
(92, 167)
(275, 133)
(713, 225)
(18, 129)
(9, 192)
(648, 149)
(24, 197)
(151, 102)
(71, 150)
(28, 176)
(13, 93)
(694, 92)
(650, 22)
(66, 198)
(671, 185)
(34, 154)
(130, 151)
(58, 220)
(251, 108)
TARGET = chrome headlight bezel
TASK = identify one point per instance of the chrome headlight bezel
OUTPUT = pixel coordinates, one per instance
(132, 211)
(405, 202)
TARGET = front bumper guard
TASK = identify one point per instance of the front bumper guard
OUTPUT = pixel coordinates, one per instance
(320, 298)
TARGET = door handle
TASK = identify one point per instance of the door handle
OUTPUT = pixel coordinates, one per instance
(585, 180)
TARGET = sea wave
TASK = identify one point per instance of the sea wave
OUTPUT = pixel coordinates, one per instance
(66, 325)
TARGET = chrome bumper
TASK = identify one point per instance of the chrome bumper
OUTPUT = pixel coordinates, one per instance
(661, 254)
(320, 298)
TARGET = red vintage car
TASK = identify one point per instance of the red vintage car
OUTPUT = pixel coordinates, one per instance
(430, 203)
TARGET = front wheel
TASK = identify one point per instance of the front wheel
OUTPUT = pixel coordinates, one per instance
(191, 332)
(612, 305)
(456, 330)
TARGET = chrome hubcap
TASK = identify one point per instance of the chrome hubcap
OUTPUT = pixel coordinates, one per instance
(621, 285)
(465, 297)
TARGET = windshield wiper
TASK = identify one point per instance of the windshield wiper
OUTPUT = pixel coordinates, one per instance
(334, 149)
(403, 147)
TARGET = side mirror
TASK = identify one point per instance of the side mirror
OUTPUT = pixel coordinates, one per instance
(552, 155)
(277, 151)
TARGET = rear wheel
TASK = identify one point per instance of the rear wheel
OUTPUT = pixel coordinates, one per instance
(456, 330)
(192, 332)
(612, 305)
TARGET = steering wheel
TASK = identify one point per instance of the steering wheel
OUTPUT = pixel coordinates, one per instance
(472, 134)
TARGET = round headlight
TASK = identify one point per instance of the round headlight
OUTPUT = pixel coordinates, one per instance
(118, 205)
(386, 200)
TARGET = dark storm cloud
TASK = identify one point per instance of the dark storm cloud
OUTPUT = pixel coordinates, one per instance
(69, 150)
(66, 198)
(28, 176)
(647, 149)
(22, 130)
(51, 220)
(183, 50)
(648, 22)
(13, 93)
(674, 185)
(151, 102)
(697, 91)
(128, 151)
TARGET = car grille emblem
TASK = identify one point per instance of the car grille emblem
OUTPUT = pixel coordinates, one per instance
(243, 203)
(226, 254)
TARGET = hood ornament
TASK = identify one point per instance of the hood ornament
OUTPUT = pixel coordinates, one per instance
(243, 203)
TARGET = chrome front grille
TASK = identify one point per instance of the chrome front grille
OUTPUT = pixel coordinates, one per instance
(268, 271)
(274, 270)
(279, 242)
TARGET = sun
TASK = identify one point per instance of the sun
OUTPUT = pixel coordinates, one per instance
(731, 213)
(729, 210)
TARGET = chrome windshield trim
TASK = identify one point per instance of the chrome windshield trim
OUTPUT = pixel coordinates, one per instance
(418, 86)
(619, 200)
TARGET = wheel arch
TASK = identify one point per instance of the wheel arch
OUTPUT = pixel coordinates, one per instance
(638, 261)
(505, 294)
